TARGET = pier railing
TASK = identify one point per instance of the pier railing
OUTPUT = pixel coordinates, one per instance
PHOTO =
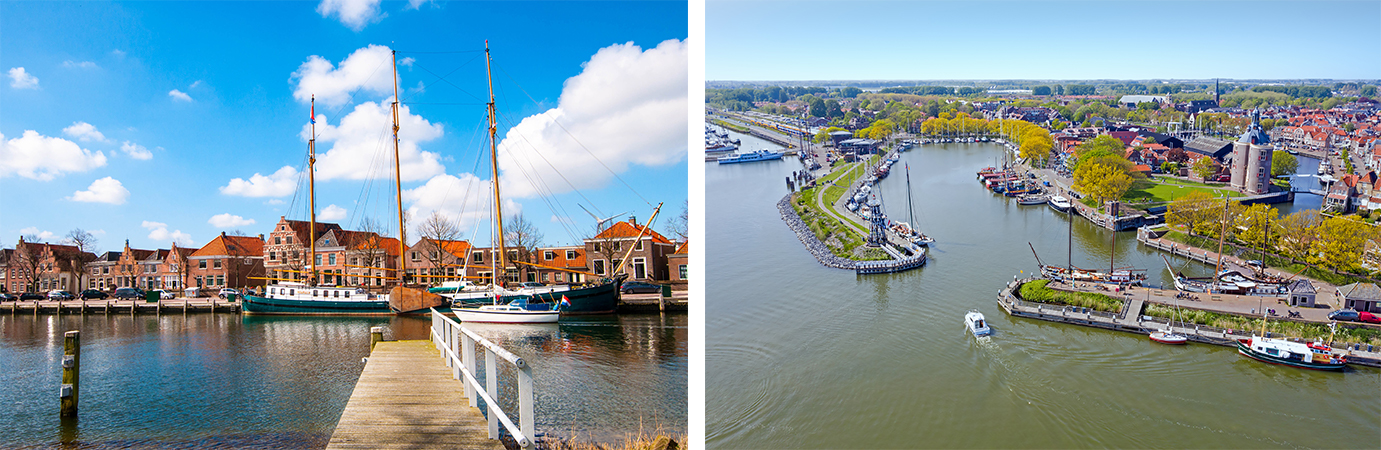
(457, 345)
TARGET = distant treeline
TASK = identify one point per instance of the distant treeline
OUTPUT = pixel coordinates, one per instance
(1298, 91)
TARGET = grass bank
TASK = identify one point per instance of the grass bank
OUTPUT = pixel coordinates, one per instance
(1309, 331)
(1166, 189)
(1269, 259)
(1037, 291)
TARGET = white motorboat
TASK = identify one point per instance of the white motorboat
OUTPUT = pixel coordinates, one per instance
(1059, 203)
(976, 324)
(516, 311)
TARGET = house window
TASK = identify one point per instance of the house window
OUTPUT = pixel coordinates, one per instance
(354, 261)
(548, 255)
(570, 254)
(433, 253)
(477, 257)
(512, 255)
(639, 268)
(201, 264)
(599, 267)
(105, 270)
(277, 240)
(290, 240)
(414, 257)
(216, 264)
(331, 259)
(638, 246)
(318, 260)
(220, 280)
(683, 272)
(618, 246)
(273, 256)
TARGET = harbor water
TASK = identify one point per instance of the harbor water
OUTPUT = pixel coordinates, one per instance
(226, 380)
(803, 356)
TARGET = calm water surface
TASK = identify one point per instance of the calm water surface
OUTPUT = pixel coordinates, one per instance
(802, 356)
(223, 380)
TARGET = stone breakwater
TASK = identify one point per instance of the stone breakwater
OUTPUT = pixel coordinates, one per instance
(807, 237)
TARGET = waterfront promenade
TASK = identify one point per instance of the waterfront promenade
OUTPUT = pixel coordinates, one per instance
(110, 306)
(1131, 319)
(406, 397)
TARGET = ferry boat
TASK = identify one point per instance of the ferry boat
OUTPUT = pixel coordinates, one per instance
(758, 155)
(976, 324)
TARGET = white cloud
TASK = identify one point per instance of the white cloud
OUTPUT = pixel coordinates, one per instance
(104, 190)
(274, 202)
(353, 13)
(136, 151)
(279, 184)
(627, 106)
(417, 4)
(357, 148)
(229, 221)
(97, 232)
(367, 68)
(159, 232)
(70, 64)
(41, 157)
(43, 236)
(195, 84)
(118, 53)
(465, 198)
(559, 219)
(332, 212)
(84, 132)
(179, 95)
(22, 80)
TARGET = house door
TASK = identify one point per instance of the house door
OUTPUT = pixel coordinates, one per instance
(639, 268)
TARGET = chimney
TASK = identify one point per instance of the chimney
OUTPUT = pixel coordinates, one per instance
(261, 237)
(633, 220)
(222, 234)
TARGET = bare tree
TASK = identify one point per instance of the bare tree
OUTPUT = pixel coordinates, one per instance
(370, 247)
(523, 236)
(606, 248)
(30, 260)
(438, 229)
(86, 245)
(680, 225)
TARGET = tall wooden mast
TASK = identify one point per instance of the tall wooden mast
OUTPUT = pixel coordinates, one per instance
(494, 167)
(1222, 232)
(311, 188)
(398, 179)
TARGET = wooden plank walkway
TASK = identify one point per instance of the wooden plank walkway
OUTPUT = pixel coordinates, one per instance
(406, 398)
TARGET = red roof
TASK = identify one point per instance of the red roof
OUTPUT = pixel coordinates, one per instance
(629, 230)
(225, 245)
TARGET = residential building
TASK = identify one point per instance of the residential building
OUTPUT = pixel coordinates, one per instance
(129, 270)
(46, 267)
(102, 271)
(1302, 293)
(227, 261)
(1360, 297)
(647, 259)
(678, 264)
(285, 251)
(561, 265)
(436, 261)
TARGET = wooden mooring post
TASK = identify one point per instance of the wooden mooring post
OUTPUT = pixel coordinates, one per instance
(376, 334)
(71, 372)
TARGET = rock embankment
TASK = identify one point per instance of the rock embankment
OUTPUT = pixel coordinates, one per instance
(807, 237)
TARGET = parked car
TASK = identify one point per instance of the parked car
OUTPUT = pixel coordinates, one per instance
(60, 295)
(636, 287)
(8, 297)
(130, 293)
(32, 296)
(227, 291)
(165, 295)
(1343, 314)
(92, 293)
(1368, 317)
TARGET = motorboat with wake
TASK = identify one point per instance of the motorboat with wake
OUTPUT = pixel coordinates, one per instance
(976, 324)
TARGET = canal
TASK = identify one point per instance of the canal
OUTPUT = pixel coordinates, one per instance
(225, 380)
(803, 356)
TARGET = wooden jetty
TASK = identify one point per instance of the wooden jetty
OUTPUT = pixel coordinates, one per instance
(1131, 320)
(407, 398)
(424, 394)
(174, 306)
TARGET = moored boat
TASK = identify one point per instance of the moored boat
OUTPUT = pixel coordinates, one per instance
(1167, 336)
(1031, 200)
(519, 310)
(1059, 203)
(753, 156)
(1314, 356)
(301, 299)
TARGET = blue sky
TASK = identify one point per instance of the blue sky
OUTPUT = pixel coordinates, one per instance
(174, 121)
(896, 40)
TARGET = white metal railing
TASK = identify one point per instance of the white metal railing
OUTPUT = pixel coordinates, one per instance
(457, 346)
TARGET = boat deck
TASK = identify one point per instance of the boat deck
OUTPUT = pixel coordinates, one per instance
(407, 398)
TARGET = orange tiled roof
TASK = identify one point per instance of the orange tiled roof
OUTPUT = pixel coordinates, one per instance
(224, 245)
(388, 244)
(683, 248)
(629, 230)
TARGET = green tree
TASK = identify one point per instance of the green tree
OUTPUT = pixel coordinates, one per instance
(1205, 167)
(1254, 224)
(1283, 163)
(1296, 233)
(1340, 243)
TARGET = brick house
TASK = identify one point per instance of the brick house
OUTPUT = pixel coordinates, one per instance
(46, 267)
(9, 272)
(678, 264)
(646, 262)
(379, 254)
(285, 251)
(128, 270)
(227, 261)
(437, 261)
(101, 271)
(571, 258)
(482, 259)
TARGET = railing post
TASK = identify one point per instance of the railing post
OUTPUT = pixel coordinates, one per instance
(467, 358)
(526, 421)
(491, 381)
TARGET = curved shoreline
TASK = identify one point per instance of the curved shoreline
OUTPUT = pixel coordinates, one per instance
(807, 237)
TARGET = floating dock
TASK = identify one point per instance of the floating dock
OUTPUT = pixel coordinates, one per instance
(407, 398)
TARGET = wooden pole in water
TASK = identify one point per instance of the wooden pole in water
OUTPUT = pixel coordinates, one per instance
(71, 371)
(376, 335)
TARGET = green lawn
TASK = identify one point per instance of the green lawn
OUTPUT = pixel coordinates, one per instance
(1162, 190)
